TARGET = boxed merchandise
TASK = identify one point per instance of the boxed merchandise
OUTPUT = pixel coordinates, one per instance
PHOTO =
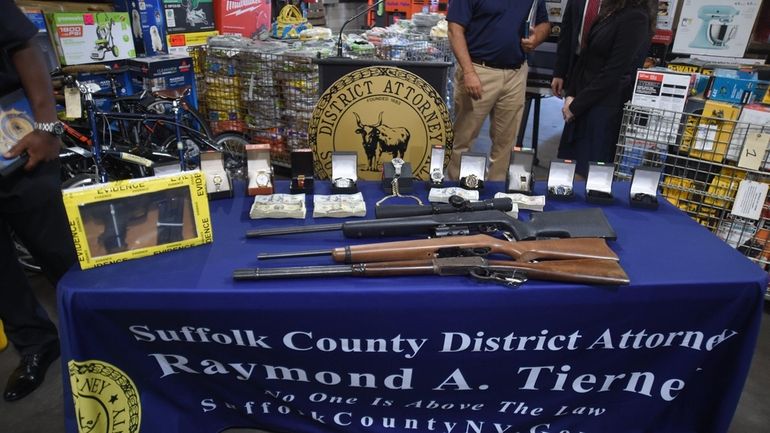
(122, 82)
(664, 93)
(754, 119)
(42, 39)
(728, 85)
(187, 16)
(687, 65)
(147, 25)
(168, 71)
(91, 36)
(242, 17)
(719, 28)
(134, 218)
(707, 137)
(179, 43)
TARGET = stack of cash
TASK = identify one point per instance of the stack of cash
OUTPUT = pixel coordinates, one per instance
(339, 205)
(441, 195)
(278, 206)
(528, 202)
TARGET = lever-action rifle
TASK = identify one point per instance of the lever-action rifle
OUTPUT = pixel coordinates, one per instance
(456, 204)
(589, 271)
(463, 246)
(582, 223)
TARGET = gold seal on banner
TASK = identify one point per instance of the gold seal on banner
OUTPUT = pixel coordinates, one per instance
(381, 113)
(106, 399)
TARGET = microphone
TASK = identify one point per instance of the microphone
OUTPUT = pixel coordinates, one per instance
(339, 41)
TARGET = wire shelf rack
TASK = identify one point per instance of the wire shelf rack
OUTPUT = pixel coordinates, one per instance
(704, 157)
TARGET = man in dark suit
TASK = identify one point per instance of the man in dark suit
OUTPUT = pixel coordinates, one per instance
(31, 206)
(567, 49)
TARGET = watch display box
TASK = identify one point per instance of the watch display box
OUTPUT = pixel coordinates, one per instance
(128, 219)
(302, 181)
(599, 183)
(473, 170)
(405, 178)
(259, 169)
(436, 174)
(644, 187)
(561, 179)
(218, 182)
(520, 177)
(344, 172)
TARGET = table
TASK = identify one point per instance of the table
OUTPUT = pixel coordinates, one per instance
(171, 344)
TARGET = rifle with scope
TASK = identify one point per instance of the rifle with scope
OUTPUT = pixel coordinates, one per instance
(456, 204)
(582, 223)
(462, 246)
(507, 272)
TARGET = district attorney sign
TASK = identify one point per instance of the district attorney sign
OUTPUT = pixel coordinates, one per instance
(380, 112)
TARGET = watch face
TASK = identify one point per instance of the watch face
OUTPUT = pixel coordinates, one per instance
(471, 181)
(58, 128)
(263, 179)
(436, 175)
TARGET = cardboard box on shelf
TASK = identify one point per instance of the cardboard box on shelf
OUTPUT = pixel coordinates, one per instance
(148, 25)
(179, 43)
(187, 16)
(708, 137)
(128, 219)
(168, 71)
(42, 39)
(242, 17)
(735, 86)
(720, 28)
(90, 37)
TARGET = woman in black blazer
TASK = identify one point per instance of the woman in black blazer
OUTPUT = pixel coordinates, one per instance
(601, 80)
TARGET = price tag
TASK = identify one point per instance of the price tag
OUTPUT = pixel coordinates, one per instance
(749, 199)
(753, 152)
(73, 109)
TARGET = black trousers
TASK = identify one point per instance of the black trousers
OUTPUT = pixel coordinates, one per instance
(32, 207)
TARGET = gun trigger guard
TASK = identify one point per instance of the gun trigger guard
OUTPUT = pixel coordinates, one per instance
(508, 236)
(512, 279)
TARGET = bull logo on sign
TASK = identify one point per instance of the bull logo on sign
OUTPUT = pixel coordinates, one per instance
(383, 138)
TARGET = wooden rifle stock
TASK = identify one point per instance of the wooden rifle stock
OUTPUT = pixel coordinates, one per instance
(587, 271)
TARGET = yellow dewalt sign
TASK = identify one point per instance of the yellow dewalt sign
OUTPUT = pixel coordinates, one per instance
(106, 399)
(380, 112)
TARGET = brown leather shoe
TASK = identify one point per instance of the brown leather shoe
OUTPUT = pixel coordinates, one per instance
(30, 373)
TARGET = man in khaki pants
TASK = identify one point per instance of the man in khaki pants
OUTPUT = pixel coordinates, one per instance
(488, 40)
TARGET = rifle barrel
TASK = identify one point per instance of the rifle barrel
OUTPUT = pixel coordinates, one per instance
(258, 233)
(266, 256)
(291, 272)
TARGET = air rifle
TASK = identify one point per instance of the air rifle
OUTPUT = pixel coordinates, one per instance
(510, 273)
(582, 223)
(463, 246)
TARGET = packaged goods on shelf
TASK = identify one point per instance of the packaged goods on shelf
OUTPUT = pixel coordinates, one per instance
(91, 36)
(147, 24)
(707, 137)
(181, 43)
(167, 71)
(754, 119)
(189, 16)
(734, 86)
(242, 17)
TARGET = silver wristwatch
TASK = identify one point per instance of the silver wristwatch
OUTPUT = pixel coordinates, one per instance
(437, 175)
(53, 128)
(397, 164)
(471, 181)
(262, 178)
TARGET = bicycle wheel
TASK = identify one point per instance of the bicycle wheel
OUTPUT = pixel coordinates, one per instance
(233, 147)
(191, 118)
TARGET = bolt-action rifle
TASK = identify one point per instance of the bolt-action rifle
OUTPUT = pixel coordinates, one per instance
(582, 223)
(456, 204)
(463, 246)
(510, 273)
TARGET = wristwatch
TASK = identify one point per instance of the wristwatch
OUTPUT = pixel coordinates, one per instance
(437, 175)
(343, 182)
(217, 179)
(53, 128)
(262, 178)
(471, 181)
(397, 164)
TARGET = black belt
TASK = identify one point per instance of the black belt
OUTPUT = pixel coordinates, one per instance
(494, 65)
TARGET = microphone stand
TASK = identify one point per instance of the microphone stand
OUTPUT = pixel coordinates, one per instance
(339, 41)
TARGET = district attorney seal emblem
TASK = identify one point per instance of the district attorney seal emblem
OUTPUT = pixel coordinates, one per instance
(106, 399)
(381, 113)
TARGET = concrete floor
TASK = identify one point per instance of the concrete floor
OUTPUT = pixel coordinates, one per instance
(42, 411)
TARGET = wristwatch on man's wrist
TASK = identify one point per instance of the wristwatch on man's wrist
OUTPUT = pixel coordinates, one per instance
(53, 128)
